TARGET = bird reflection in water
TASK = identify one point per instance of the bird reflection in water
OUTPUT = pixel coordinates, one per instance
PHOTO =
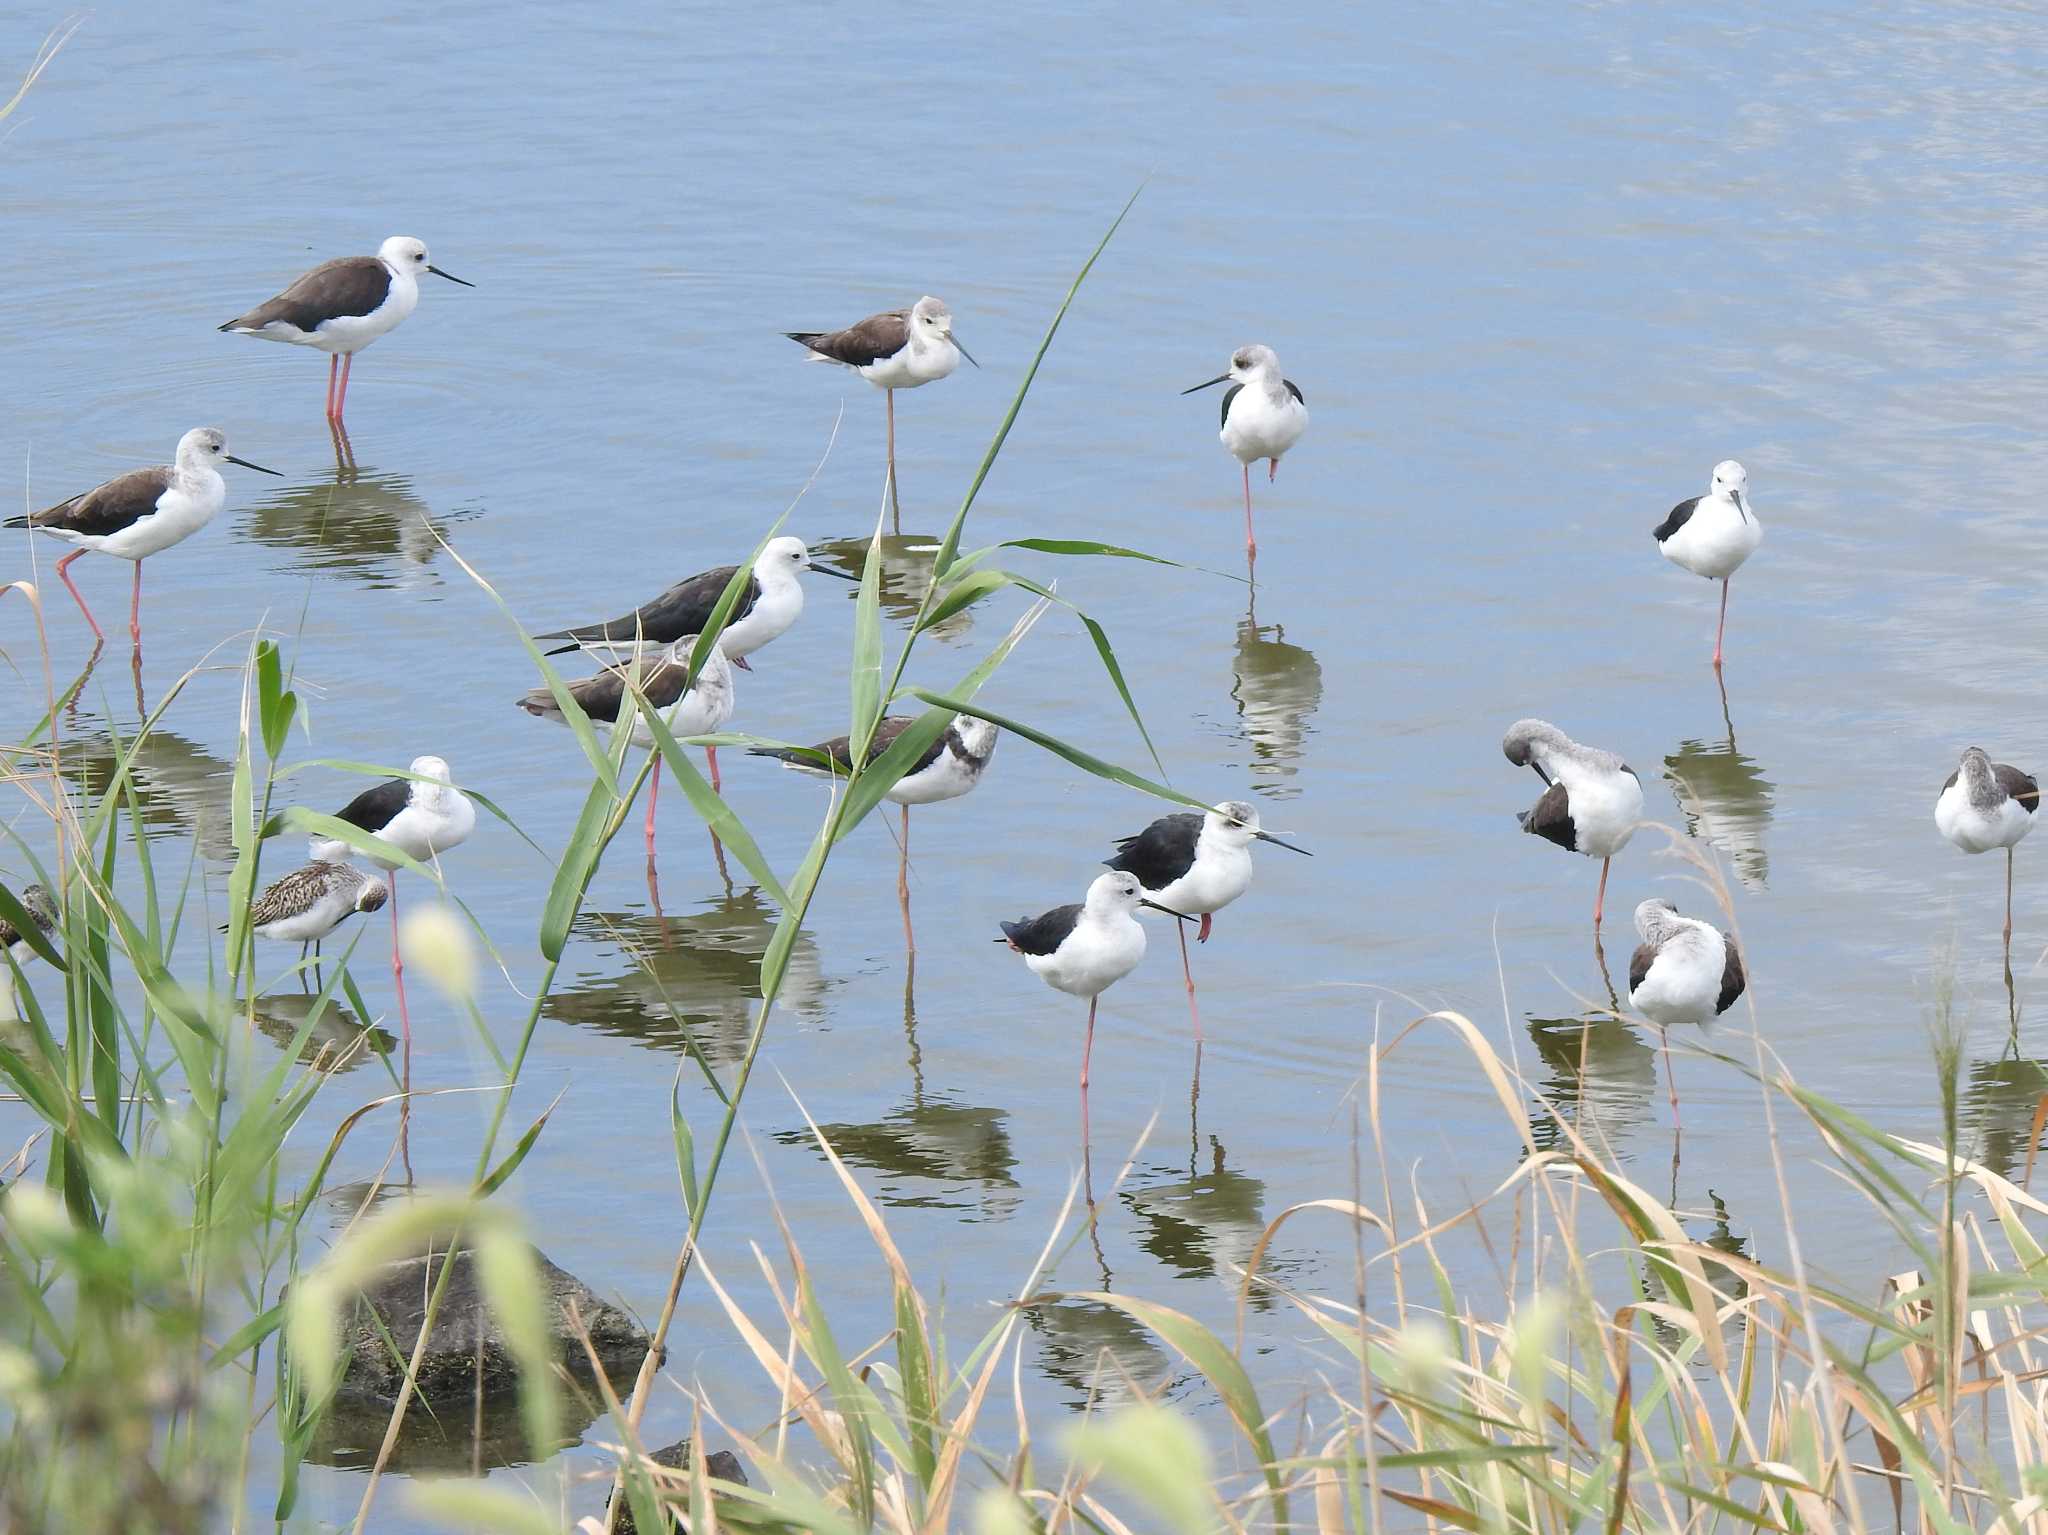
(932, 1154)
(1202, 1221)
(1725, 798)
(1598, 1073)
(363, 524)
(903, 578)
(179, 788)
(338, 1040)
(690, 981)
(1098, 1354)
(1277, 687)
(2005, 1104)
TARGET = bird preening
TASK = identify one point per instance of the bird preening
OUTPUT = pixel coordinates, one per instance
(1985, 805)
(1591, 803)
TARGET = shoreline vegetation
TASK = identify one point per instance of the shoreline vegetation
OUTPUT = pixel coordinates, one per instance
(162, 1302)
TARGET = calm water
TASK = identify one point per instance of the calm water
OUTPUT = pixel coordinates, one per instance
(1534, 279)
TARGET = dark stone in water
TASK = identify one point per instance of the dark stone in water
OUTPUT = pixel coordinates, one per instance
(466, 1346)
(723, 1465)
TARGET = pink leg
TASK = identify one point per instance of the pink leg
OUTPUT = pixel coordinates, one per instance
(1272, 470)
(64, 575)
(1087, 1049)
(341, 398)
(653, 797)
(398, 978)
(1203, 935)
(903, 885)
(135, 610)
(1722, 627)
(1251, 542)
(895, 505)
(1194, 1012)
(333, 364)
(711, 756)
(1600, 896)
(2008, 900)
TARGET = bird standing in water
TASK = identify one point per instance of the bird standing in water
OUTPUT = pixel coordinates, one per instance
(1986, 804)
(1685, 971)
(1263, 416)
(1592, 801)
(1712, 535)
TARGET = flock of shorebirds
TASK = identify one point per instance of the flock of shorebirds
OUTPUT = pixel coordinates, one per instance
(1188, 865)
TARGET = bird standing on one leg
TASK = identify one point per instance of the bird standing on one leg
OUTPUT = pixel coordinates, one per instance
(1593, 801)
(1196, 864)
(901, 349)
(689, 706)
(141, 513)
(341, 306)
(1986, 804)
(423, 817)
(1712, 535)
(1263, 416)
(1686, 971)
(1086, 948)
(950, 767)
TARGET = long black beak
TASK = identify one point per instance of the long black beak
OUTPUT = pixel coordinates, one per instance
(247, 465)
(450, 276)
(1539, 772)
(1740, 507)
(963, 350)
(827, 570)
(1266, 836)
(1167, 909)
(1221, 378)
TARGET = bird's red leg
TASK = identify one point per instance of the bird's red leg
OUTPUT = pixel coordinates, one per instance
(1722, 627)
(1188, 974)
(64, 575)
(1251, 542)
(333, 366)
(341, 399)
(398, 979)
(2008, 900)
(1272, 470)
(1203, 935)
(711, 756)
(653, 797)
(1600, 896)
(895, 503)
(135, 610)
(903, 885)
(1087, 1049)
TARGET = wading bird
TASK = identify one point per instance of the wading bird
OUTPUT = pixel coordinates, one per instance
(900, 349)
(1712, 535)
(771, 602)
(1986, 804)
(1593, 801)
(341, 306)
(1196, 864)
(310, 902)
(141, 513)
(1685, 971)
(1263, 416)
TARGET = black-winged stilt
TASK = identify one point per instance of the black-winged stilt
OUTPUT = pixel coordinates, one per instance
(140, 513)
(1196, 864)
(689, 706)
(1263, 416)
(341, 306)
(1593, 801)
(1684, 971)
(772, 601)
(949, 768)
(1712, 535)
(899, 349)
(1986, 804)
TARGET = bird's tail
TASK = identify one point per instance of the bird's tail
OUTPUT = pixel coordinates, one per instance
(1522, 819)
(540, 702)
(803, 337)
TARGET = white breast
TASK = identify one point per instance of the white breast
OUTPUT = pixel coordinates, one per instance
(1219, 876)
(1715, 540)
(1605, 807)
(316, 921)
(947, 778)
(1979, 831)
(770, 618)
(1683, 983)
(1263, 424)
(181, 511)
(1096, 955)
(914, 365)
(423, 829)
(354, 332)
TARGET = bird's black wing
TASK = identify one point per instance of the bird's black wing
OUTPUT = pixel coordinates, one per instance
(1551, 819)
(373, 809)
(2020, 786)
(350, 287)
(684, 609)
(105, 509)
(1228, 395)
(876, 337)
(1639, 966)
(1681, 514)
(1733, 981)
(1162, 852)
(1294, 390)
(1043, 934)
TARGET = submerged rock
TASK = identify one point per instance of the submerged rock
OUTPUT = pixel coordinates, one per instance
(466, 1348)
(723, 1465)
